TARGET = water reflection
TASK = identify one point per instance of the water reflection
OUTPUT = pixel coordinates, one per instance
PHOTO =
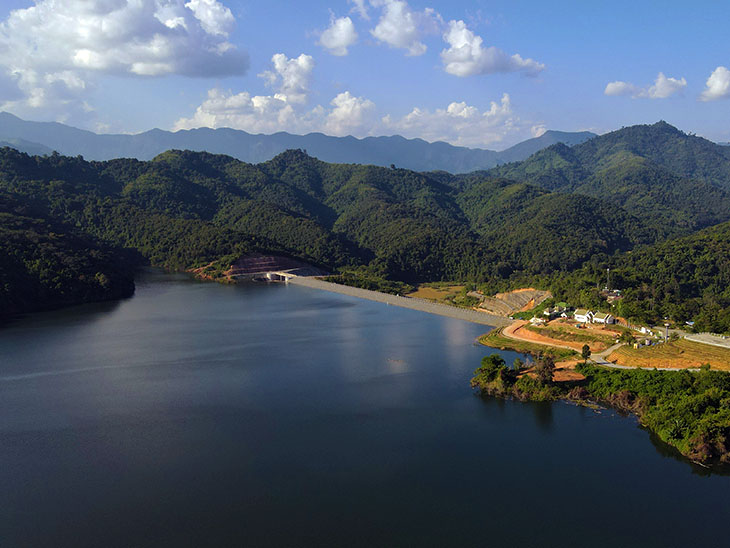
(281, 416)
(543, 413)
(668, 451)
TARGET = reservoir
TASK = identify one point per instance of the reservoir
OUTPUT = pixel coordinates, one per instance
(199, 414)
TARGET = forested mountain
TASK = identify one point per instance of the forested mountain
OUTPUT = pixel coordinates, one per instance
(525, 149)
(669, 178)
(559, 228)
(187, 209)
(683, 279)
(46, 265)
(415, 154)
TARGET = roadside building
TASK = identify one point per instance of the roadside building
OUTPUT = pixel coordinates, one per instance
(600, 317)
(553, 312)
(583, 315)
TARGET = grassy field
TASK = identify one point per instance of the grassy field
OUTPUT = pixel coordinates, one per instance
(439, 293)
(679, 354)
(495, 339)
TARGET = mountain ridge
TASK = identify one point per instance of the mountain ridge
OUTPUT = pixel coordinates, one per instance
(416, 154)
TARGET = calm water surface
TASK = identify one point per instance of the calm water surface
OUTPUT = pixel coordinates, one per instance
(206, 415)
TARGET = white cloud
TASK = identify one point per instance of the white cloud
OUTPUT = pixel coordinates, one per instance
(466, 56)
(401, 27)
(290, 76)
(361, 7)
(665, 87)
(621, 88)
(538, 130)
(717, 85)
(662, 88)
(338, 36)
(268, 114)
(215, 18)
(460, 124)
(350, 114)
(255, 114)
(52, 50)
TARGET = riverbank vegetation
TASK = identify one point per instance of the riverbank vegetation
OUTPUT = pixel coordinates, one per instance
(688, 410)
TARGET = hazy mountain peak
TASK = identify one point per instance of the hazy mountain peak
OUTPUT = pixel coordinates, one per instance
(415, 154)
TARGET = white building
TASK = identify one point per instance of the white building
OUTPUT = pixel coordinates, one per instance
(600, 317)
(583, 316)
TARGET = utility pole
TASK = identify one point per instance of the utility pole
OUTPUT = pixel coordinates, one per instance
(608, 278)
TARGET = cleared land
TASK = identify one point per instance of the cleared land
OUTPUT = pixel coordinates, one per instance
(503, 340)
(679, 354)
(519, 300)
(563, 334)
(437, 293)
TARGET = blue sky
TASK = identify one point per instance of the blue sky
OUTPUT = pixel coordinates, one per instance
(478, 73)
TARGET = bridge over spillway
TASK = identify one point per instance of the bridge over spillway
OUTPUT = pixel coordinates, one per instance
(256, 266)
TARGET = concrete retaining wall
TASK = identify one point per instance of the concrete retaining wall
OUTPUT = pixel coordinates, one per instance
(406, 302)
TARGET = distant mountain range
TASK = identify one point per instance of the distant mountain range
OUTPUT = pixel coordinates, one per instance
(34, 149)
(39, 138)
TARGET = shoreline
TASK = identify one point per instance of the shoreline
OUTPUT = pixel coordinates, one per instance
(405, 302)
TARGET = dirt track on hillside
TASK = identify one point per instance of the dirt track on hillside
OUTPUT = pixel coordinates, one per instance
(516, 331)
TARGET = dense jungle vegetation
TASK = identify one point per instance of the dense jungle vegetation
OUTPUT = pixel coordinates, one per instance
(637, 200)
(687, 410)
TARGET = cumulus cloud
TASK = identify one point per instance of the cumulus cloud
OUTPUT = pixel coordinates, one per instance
(268, 114)
(460, 123)
(255, 114)
(338, 36)
(401, 27)
(349, 114)
(290, 76)
(52, 50)
(466, 56)
(717, 85)
(215, 18)
(621, 88)
(662, 88)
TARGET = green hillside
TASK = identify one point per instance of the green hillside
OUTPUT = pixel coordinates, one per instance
(46, 266)
(676, 182)
(682, 279)
(188, 209)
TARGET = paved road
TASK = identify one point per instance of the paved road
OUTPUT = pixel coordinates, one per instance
(712, 340)
(509, 333)
(406, 302)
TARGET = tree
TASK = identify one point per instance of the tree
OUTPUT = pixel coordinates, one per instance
(545, 368)
(491, 367)
(586, 352)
